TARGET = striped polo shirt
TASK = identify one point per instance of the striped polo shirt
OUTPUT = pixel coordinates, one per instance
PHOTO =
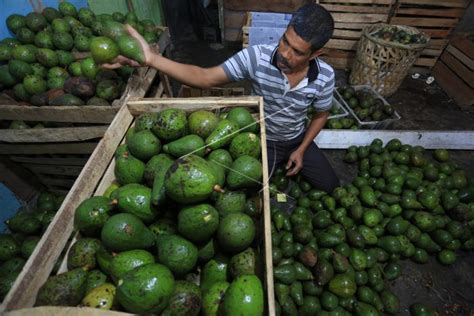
(285, 108)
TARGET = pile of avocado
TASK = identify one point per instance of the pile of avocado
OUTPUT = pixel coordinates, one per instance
(335, 123)
(178, 233)
(26, 228)
(392, 33)
(333, 254)
(366, 106)
(39, 65)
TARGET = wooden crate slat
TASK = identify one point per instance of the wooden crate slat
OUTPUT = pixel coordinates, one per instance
(464, 45)
(431, 52)
(426, 62)
(359, 18)
(437, 33)
(425, 22)
(453, 85)
(338, 33)
(41, 149)
(64, 311)
(50, 161)
(441, 3)
(452, 12)
(72, 114)
(461, 57)
(438, 43)
(350, 26)
(52, 135)
(54, 170)
(342, 44)
(356, 9)
(40, 263)
(368, 2)
(467, 75)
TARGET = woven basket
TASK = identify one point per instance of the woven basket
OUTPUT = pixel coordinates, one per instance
(384, 64)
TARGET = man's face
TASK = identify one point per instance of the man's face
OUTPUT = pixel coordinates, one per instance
(293, 53)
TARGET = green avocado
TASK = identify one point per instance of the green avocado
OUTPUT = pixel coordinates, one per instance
(245, 144)
(101, 297)
(186, 300)
(198, 223)
(246, 171)
(156, 165)
(92, 214)
(125, 231)
(222, 158)
(177, 253)
(171, 124)
(230, 202)
(146, 289)
(129, 260)
(213, 299)
(214, 271)
(202, 123)
(65, 289)
(236, 232)
(222, 134)
(128, 169)
(131, 48)
(244, 297)
(145, 121)
(244, 119)
(190, 144)
(136, 199)
(144, 145)
(83, 254)
(245, 263)
(9, 248)
(190, 180)
(95, 278)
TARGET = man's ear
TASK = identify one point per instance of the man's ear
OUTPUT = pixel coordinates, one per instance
(316, 53)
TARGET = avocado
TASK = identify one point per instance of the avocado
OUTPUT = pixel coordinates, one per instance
(127, 261)
(25, 35)
(245, 144)
(343, 285)
(131, 48)
(92, 214)
(67, 9)
(103, 49)
(89, 68)
(108, 89)
(11, 266)
(60, 26)
(47, 57)
(15, 22)
(190, 144)
(6, 283)
(244, 119)
(156, 165)
(104, 259)
(65, 289)
(35, 21)
(230, 202)
(5, 52)
(213, 299)
(245, 172)
(207, 251)
(222, 134)
(145, 121)
(6, 78)
(112, 29)
(215, 270)
(83, 254)
(63, 41)
(236, 232)
(95, 278)
(50, 14)
(129, 169)
(245, 263)
(177, 253)
(101, 297)
(244, 297)
(170, 125)
(9, 248)
(136, 200)
(34, 84)
(190, 180)
(29, 245)
(124, 231)
(186, 300)
(86, 16)
(66, 99)
(24, 222)
(198, 223)
(163, 226)
(146, 289)
(19, 69)
(202, 123)
(222, 158)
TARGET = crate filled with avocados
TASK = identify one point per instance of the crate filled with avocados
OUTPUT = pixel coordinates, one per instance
(54, 56)
(24, 232)
(334, 253)
(179, 231)
(369, 108)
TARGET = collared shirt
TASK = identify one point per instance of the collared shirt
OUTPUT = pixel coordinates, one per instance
(285, 107)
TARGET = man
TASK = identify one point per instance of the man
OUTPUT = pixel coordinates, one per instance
(290, 78)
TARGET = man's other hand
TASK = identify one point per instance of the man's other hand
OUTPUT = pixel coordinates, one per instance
(295, 163)
(124, 61)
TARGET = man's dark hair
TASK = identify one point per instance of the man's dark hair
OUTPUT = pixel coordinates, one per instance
(314, 24)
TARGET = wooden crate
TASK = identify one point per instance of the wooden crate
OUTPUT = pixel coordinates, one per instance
(190, 92)
(96, 176)
(454, 71)
(437, 18)
(56, 155)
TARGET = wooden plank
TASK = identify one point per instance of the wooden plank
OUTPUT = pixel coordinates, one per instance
(19, 180)
(356, 9)
(458, 68)
(342, 44)
(436, 33)
(427, 22)
(355, 2)
(464, 45)
(233, 35)
(50, 161)
(438, 43)
(41, 262)
(453, 13)
(350, 26)
(64, 311)
(346, 34)
(72, 114)
(234, 19)
(453, 86)
(52, 135)
(264, 5)
(41, 149)
(342, 139)
(426, 62)
(339, 62)
(441, 3)
(359, 18)
(461, 57)
(431, 52)
(54, 170)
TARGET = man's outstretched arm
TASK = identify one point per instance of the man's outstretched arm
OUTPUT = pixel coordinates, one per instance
(188, 74)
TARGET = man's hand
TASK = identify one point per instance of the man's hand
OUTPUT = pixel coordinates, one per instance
(124, 61)
(295, 163)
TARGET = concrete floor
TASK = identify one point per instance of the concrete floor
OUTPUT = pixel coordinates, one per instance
(422, 107)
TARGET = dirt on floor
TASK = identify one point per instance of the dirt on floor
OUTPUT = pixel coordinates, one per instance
(450, 290)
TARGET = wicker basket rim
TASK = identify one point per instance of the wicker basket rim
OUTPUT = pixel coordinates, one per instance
(373, 27)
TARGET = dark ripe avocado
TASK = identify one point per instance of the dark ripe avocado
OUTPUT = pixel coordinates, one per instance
(146, 289)
(83, 254)
(186, 300)
(9, 248)
(65, 289)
